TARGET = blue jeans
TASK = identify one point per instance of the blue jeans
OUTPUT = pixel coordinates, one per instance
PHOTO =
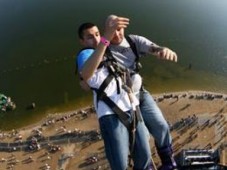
(154, 120)
(116, 141)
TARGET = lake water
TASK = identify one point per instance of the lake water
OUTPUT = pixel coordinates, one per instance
(38, 43)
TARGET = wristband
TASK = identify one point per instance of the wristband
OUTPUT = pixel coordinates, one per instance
(105, 41)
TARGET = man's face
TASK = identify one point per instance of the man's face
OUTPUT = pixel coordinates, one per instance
(118, 36)
(91, 37)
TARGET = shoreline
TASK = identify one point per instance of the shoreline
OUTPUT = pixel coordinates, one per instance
(35, 116)
(196, 94)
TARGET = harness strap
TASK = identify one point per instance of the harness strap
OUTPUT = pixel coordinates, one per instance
(109, 55)
(111, 65)
(132, 137)
(112, 71)
(136, 116)
(100, 92)
(121, 114)
(133, 47)
(101, 95)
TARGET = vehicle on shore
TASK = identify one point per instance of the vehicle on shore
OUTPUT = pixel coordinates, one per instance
(6, 104)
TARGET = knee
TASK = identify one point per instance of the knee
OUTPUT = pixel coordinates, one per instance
(160, 126)
(164, 126)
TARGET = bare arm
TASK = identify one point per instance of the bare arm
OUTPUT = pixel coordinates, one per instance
(93, 62)
(112, 24)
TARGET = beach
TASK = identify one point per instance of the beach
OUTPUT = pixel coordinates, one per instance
(71, 140)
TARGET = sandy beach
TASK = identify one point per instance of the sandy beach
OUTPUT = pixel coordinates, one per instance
(71, 140)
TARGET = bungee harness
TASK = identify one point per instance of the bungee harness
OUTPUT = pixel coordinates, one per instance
(116, 70)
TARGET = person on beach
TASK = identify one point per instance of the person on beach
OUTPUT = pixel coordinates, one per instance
(121, 124)
(120, 48)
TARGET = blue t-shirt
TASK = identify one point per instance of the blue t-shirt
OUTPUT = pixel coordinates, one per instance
(82, 57)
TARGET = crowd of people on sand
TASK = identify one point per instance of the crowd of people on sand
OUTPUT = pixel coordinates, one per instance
(13, 161)
(193, 126)
(84, 113)
(180, 126)
(34, 140)
(191, 95)
(18, 137)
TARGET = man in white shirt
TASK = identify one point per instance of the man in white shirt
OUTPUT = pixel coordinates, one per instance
(115, 132)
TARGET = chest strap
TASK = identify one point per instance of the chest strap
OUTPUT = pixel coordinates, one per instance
(101, 95)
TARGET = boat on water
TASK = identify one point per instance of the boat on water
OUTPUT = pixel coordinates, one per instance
(6, 104)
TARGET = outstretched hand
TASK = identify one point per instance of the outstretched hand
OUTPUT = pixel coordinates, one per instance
(166, 54)
(114, 23)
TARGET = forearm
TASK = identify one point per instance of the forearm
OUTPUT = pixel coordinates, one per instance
(154, 49)
(163, 53)
(93, 62)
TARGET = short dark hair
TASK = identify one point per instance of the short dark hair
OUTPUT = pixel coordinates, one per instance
(83, 27)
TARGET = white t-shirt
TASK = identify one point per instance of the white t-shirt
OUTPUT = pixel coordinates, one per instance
(121, 100)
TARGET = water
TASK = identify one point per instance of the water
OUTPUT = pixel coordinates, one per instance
(38, 43)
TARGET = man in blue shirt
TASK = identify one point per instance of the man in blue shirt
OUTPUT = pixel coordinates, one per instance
(120, 135)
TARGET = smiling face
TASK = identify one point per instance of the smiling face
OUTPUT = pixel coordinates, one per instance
(91, 37)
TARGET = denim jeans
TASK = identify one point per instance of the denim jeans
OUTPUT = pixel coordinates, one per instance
(154, 120)
(116, 141)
